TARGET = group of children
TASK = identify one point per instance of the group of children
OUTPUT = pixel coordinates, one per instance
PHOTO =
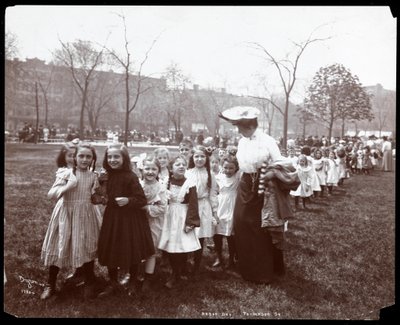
(327, 167)
(157, 203)
(161, 203)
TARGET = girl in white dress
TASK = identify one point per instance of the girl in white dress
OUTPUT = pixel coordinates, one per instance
(228, 183)
(305, 173)
(199, 173)
(319, 163)
(156, 207)
(315, 186)
(332, 173)
(178, 236)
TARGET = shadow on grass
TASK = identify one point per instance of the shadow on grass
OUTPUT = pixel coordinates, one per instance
(303, 290)
(318, 211)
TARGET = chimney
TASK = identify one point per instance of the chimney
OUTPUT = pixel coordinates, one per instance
(195, 87)
(223, 90)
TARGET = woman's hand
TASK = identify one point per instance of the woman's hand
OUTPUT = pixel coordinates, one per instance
(188, 228)
(121, 201)
(215, 219)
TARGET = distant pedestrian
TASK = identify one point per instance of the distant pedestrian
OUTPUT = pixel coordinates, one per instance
(46, 133)
(200, 138)
(387, 162)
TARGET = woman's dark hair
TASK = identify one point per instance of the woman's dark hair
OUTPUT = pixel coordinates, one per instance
(306, 150)
(61, 161)
(126, 162)
(247, 123)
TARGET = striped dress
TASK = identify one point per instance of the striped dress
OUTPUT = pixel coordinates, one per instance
(73, 231)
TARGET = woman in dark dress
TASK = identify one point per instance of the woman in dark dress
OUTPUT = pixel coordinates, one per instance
(258, 259)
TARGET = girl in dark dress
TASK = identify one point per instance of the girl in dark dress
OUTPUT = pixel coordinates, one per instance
(125, 238)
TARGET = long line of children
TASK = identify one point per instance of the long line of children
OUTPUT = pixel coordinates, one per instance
(327, 167)
(151, 204)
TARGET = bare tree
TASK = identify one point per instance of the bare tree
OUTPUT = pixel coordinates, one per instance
(138, 86)
(100, 97)
(10, 45)
(44, 82)
(304, 117)
(269, 105)
(219, 102)
(382, 102)
(82, 59)
(176, 88)
(287, 70)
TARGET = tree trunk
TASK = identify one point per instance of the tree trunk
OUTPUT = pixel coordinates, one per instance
(46, 110)
(343, 128)
(82, 115)
(330, 131)
(127, 106)
(285, 123)
(37, 113)
(126, 128)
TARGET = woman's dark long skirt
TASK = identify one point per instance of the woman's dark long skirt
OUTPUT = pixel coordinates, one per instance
(254, 245)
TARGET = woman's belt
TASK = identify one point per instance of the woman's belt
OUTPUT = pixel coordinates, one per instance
(254, 177)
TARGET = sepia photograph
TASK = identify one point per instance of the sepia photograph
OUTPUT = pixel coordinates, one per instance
(199, 162)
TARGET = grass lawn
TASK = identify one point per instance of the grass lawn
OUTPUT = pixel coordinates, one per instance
(340, 257)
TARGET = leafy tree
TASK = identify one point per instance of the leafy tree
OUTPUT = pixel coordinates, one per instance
(335, 94)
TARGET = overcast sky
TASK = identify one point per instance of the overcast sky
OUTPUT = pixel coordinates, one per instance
(210, 44)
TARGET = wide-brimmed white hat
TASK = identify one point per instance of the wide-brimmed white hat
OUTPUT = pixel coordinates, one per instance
(237, 113)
